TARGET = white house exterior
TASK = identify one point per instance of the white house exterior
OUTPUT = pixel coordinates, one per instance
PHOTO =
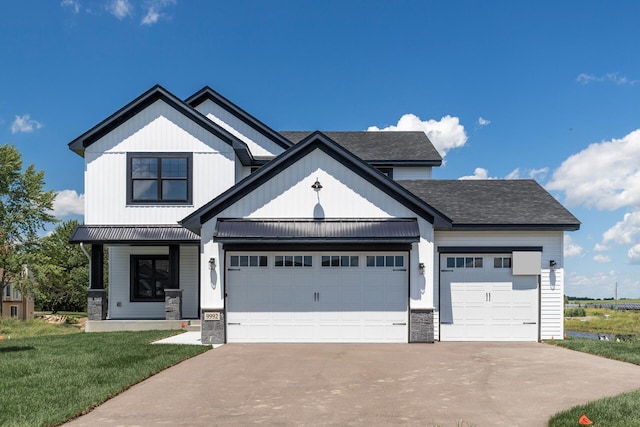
(268, 236)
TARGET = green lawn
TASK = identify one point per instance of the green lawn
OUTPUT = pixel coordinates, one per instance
(46, 380)
(602, 320)
(617, 411)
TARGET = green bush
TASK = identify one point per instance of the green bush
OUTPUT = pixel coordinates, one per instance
(575, 312)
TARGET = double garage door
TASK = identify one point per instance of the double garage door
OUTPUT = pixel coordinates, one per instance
(317, 297)
(480, 300)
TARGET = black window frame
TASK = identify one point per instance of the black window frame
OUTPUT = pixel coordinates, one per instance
(159, 156)
(134, 281)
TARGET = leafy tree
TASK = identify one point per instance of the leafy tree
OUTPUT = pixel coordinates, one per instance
(25, 208)
(61, 271)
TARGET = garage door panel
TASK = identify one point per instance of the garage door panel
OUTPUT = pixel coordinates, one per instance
(330, 303)
(486, 303)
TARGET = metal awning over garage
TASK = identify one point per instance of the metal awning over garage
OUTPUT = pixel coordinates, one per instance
(391, 230)
(133, 234)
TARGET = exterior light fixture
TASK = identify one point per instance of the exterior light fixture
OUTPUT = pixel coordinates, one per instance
(421, 268)
(316, 185)
(552, 264)
(212, 263)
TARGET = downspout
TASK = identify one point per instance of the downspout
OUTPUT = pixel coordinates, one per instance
(84, 250)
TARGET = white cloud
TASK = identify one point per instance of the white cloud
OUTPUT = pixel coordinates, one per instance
(602, 259)
(68, 202)
(24, 124)
(616, 78)
(478, 173)
(633, 255)
(154, 11)
(599, 247)
(120, 8)
(604, 175)
(483, 122)
(571, 248)
(625, 231)
(537, 174)
(445, 134)
(74, 5)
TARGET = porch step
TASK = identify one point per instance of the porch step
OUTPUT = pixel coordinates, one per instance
(193, 325)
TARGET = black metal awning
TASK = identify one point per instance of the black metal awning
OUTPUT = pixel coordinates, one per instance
(133, 234)
(393, 230)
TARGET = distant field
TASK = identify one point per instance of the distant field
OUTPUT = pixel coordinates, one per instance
(606, 321)
(605, 301)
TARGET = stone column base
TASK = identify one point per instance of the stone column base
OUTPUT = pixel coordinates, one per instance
(421, 326)
(173, 304)
(96, 304)
(213, 327)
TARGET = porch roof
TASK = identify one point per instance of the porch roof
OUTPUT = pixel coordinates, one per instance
(403, 230)
(133, 234)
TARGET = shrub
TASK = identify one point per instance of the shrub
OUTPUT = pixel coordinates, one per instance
(575, 312)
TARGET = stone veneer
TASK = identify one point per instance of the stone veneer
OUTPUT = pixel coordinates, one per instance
(213, 327)
(97, 304)
(421, 326)
(173, 304)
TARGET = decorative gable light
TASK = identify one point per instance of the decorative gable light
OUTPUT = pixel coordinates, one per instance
(316, 185)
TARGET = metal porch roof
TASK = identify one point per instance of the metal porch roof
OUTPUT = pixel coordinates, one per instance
(133, 234)
(326, 230)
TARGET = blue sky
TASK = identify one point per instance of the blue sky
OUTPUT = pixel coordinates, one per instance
(545, 89)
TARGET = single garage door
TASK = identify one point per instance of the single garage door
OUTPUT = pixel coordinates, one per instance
(480, 300)
(317, 297)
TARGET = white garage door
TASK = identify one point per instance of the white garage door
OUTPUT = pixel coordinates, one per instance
(317, 297)
(480, 300)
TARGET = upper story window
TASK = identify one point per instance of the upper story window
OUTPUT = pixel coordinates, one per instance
(159, 178)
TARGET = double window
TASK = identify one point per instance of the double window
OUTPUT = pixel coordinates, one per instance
(149, 277)
(159, 178)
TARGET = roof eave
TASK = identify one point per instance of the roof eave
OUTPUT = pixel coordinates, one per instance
(512, 227)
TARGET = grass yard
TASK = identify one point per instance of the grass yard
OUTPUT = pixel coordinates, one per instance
(617, 411)
(46, 380)
(12, 328)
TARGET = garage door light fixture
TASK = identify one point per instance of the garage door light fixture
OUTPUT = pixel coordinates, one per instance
(552, 264)
(212, 263)
(421, 268)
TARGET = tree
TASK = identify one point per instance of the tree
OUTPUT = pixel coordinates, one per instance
(25, 209)
(61, 271)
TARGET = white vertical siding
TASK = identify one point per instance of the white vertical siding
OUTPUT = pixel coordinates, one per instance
(258, 144)
(158, 128)
(552, 282)
(411, 172)
(120, 283)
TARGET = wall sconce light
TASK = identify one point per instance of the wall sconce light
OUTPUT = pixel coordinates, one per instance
(316, 185)
(212, 263)
(421, 268)
(552, 264)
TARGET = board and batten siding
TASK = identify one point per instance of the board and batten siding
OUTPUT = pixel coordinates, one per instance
(345, 194)
(159, 128)
(258, 144)
(120, 306)
(552, 281)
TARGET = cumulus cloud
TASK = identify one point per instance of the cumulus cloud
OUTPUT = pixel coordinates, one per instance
(602, 259)
(633, 255)
(625, 231)
(604, 175)
(599, 247)
(68, 202)
(120, 8)
(483, 122)
(537, 174)
(445, 134)
(25, 124)
(478, 173)
(570, 248)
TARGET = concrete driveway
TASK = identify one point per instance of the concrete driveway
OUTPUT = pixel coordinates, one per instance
(443, 384)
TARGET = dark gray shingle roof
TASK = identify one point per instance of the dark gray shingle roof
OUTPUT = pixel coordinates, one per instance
(494, 203)
(381, 147)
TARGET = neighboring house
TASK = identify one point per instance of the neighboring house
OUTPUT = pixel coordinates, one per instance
(307, 236)
(16, 304)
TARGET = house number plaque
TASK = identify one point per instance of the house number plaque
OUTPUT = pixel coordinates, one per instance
(212, 316)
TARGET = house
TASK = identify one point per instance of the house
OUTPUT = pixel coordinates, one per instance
(265, 236)
(16, 304)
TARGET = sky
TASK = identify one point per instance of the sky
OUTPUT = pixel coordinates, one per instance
(505, 90)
